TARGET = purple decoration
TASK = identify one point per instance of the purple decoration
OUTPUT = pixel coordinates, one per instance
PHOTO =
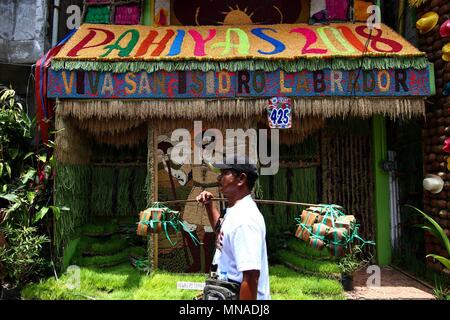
(337, 10)
(127, 14)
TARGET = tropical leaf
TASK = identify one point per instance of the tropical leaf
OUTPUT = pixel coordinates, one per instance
(31, 195)
(29, 154)
(41, 214)
(28, 176)
(8, 169)
(1, 168)
(441, 259)
(10, 197)
(438, 229)
(56, 211)
(43, 158)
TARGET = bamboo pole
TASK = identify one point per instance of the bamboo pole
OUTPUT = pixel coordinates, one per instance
(256, 200)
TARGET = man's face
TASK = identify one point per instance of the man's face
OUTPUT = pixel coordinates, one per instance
(228, 181)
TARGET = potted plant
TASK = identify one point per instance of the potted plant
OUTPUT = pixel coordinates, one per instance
(348, 265)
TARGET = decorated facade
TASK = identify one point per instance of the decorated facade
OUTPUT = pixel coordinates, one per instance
(123, 87)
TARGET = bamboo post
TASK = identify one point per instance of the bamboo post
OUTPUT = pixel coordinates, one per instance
(152, 183)
(155, 194)
(261, 201)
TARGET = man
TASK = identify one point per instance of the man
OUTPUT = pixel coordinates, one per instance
(241, 245)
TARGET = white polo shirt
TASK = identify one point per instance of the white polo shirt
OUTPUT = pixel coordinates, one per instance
(244, 245)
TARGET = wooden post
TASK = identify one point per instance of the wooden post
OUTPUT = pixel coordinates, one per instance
(152, 190)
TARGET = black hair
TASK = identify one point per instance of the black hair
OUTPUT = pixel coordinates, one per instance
(251, 178)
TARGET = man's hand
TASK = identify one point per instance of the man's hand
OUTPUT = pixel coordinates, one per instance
(205, 197)
(213, 214)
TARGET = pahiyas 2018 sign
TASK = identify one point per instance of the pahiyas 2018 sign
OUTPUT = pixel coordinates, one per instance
(221, 43)
(224, 84)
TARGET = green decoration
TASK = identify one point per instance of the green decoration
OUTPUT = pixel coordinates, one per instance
(238, 65)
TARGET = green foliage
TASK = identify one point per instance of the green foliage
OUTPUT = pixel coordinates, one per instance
(436, 230)
(352, 261)
(15, 135)
(320, 268)
(287, 284)
(21, 257)
(301, 248)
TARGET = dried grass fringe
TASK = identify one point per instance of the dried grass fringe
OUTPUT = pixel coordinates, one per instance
(211, 110)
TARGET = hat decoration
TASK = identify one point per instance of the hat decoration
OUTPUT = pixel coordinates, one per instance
(433, 183)
(444, 30)
(427, 22)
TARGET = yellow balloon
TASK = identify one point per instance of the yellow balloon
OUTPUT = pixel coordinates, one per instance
(428, 21)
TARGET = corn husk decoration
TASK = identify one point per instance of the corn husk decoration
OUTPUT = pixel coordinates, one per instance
(159, 218)
(327, 226)
(416, 3)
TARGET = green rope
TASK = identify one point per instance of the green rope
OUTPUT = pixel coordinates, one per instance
(313, 64)
(331, 212)
(169, 218)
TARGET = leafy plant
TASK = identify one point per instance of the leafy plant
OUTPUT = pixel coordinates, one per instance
(436, 230)
(352, 261)
(21, 257)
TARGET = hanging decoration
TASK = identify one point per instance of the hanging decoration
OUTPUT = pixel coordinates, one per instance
(159, 218)
(327, 226)
(161, 14)
(279, 113)
(44, 106)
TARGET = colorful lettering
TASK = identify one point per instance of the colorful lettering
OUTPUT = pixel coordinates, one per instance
(339, 39)
(200, 43)
(375, 39)
(175, 49)
(108, 86)
(126, 50)
(311, 39)
(68, 86)
(223, 89)
(129, 80)
(387, 77)
(283, 88)
(243, 46)
(150, 40)
(109, 36)
(278, 45)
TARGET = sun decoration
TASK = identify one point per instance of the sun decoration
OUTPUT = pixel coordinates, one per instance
(236, 16)
(236, 12)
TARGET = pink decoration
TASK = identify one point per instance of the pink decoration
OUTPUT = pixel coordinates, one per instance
(446, 147)
(127, 14)
(444, 30)
(337, 9)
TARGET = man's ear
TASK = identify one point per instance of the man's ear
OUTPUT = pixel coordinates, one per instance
(242, 179)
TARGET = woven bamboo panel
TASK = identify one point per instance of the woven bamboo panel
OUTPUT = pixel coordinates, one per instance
(347, 175)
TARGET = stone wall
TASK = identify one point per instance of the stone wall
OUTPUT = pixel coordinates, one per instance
(22, 30)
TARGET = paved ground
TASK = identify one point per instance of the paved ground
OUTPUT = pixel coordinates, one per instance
(394, 285)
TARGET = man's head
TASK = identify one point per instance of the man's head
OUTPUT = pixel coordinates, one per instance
(237, 176)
